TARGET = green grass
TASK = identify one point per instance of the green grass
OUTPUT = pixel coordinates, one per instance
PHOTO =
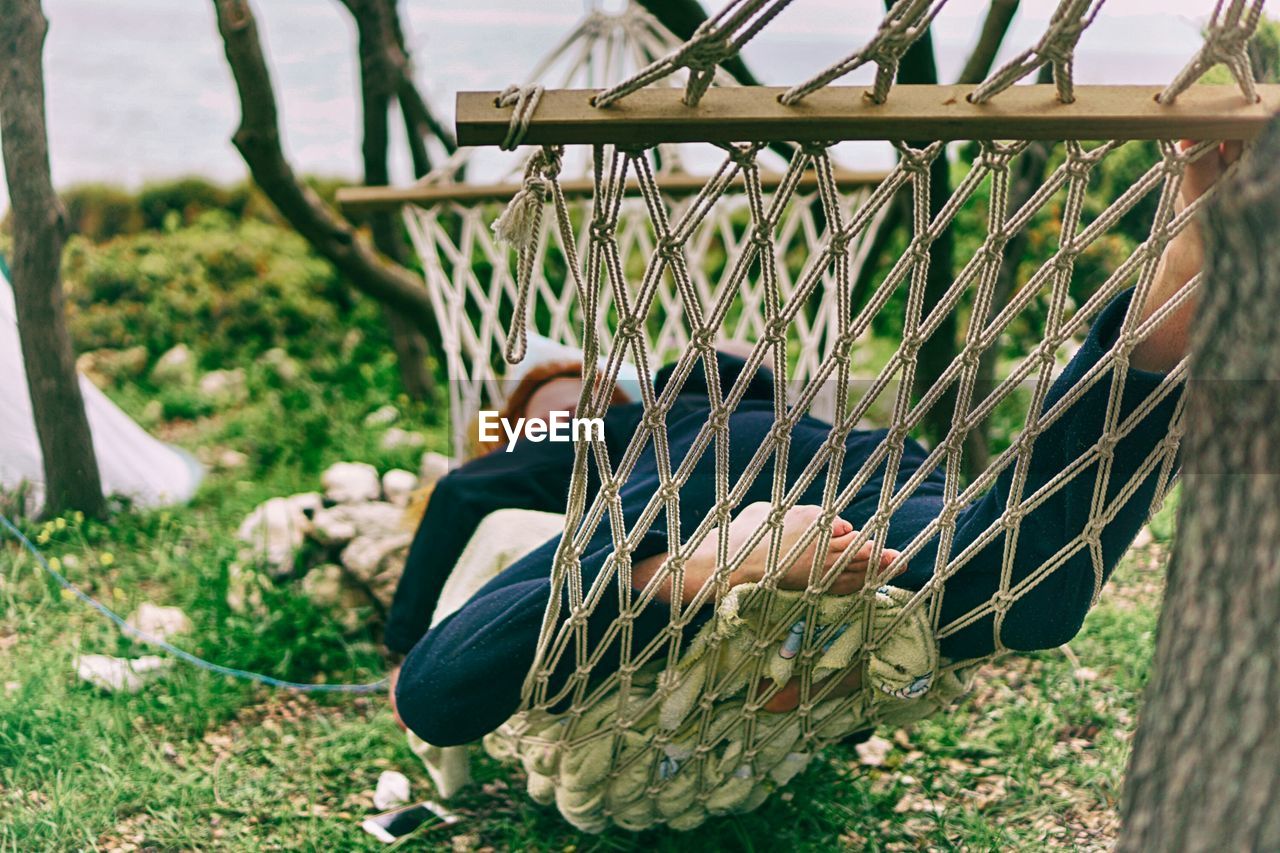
(196, 761)
(1034, 759)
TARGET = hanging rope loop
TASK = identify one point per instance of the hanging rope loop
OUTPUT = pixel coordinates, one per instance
(519, 227)
(524, 101)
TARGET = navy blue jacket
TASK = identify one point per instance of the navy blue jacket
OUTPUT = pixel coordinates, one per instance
(463, 678)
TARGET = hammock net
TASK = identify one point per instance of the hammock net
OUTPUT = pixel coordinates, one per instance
(635, 276)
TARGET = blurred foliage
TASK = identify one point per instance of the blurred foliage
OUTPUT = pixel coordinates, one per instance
(228, 289)
(101, 211)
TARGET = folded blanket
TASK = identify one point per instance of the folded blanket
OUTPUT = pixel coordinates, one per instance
(695, 744)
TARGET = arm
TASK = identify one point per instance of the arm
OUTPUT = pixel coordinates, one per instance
(1051, 613)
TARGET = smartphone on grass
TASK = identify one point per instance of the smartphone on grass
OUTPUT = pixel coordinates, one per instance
(390, 827)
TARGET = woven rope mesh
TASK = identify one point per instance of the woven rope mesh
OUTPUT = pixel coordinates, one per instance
(650, 279)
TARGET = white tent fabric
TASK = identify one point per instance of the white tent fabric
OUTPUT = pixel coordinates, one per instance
(132, 463)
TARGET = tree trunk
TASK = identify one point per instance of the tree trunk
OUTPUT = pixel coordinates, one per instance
(1205, 770)
(258, 141)
(378, 38)
(939, 349)
(71, 473)
(1028, 176)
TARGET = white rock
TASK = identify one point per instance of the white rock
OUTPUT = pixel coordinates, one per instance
(393, 790)
(281, 364)
(873, 751)
(366, 556)
(338, 525)
(331, 588)
(244, 589)
(432, 468)
(228, 459)
(397, 485)
(159, 621)
(175, 367)
(308, 503)
(396, 438)
(384, 416)
(351, 482)
(274, 531)
(120, 674)
(1143, 539)
(224, 385)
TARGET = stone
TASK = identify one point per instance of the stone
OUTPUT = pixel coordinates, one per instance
(281, 364)
(378, 563)
(330, 588)
(158, 621)
(873, 751)
(244, 589)
(307, 503)
(338, 525)
(152, 412)
(104, 367)
(175, 367)
(120, 674)
(229, 459)
(393, 790)
(432, 468)
(224, 386)
(274, 531)
(366, 556)
(397, 485)
(397, 438)
(384, 416)
(351, 482)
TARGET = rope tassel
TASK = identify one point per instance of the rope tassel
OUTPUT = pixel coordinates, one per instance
(518, 227)
(518, 224)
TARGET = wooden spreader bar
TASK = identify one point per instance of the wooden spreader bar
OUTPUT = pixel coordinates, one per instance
(358, 200)
(752, 113)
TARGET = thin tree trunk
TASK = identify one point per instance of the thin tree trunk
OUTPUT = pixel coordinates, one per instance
(1028, 176)
(918, 66)
(258, 141)
(1205, 770)
(939, 349)
(71, 473)
(379, 81)
(994, 28)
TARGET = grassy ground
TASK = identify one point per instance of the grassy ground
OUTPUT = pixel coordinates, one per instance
(196, 761)
(1035, 758)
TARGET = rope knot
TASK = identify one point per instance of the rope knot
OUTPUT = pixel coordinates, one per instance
(706, 53)
(669, 249)
(523, 100)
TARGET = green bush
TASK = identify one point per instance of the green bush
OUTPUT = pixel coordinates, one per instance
(102, 211)
(183, 200)
(229, 290)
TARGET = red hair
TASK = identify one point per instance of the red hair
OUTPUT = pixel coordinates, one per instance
(518, 400)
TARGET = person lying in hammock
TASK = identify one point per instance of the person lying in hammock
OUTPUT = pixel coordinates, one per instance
(463, 678)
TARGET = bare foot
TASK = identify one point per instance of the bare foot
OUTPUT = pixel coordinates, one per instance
(795, 524)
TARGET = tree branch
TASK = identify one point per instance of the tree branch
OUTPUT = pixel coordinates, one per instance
(258, 141)
(994, 28)
(379, 79)
(72, 480)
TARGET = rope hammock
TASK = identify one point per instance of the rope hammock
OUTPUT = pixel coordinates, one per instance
(634, 275)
